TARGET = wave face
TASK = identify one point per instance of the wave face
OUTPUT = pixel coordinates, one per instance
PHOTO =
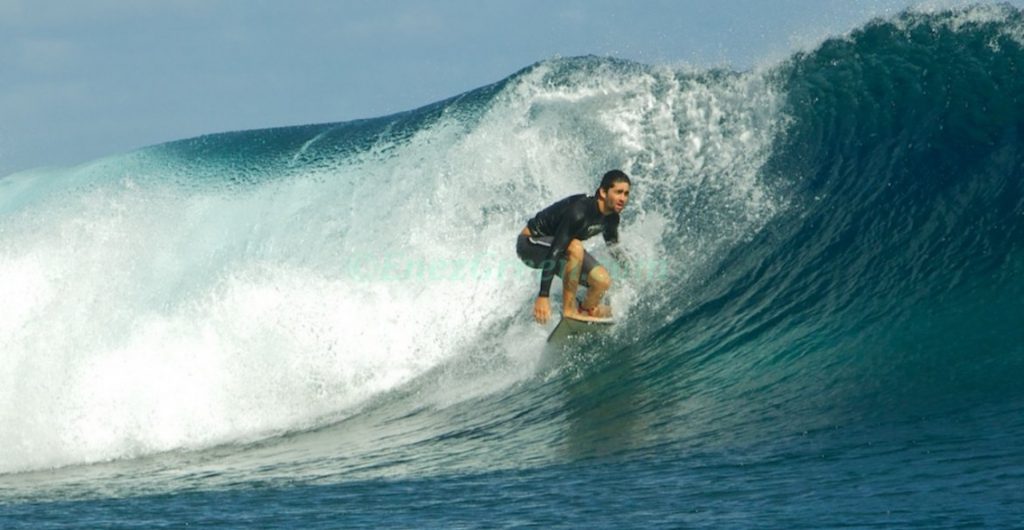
(240, 286)
(833, 243)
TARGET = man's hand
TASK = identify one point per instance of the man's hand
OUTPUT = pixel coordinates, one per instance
(621, 258)
(542, 309)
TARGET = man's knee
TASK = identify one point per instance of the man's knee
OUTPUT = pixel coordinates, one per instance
(599, 279)
(575, 250)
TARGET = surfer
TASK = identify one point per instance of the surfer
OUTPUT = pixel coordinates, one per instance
(553, 242)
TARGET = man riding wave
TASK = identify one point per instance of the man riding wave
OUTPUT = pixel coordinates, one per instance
(553, 242)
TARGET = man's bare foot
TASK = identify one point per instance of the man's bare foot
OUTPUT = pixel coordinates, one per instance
(599, 311)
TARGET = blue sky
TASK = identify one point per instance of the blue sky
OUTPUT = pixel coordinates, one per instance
(84, 79)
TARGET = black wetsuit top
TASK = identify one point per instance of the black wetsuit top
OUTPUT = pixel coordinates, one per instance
(574, 217)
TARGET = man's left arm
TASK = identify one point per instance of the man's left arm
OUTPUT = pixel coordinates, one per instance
(620, 257)
(611, 239)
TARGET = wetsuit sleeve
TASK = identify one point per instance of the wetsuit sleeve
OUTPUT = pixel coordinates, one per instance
(611, 231)
(611, 238)
(563, 235)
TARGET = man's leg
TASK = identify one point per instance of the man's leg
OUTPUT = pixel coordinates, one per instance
(571, 276)
(598, 282)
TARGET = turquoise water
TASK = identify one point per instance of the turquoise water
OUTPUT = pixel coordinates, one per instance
(326, 325)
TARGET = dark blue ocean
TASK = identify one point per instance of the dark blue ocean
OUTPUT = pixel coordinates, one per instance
(326, 326)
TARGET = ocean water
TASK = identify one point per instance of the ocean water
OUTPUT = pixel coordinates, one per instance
(326, 326)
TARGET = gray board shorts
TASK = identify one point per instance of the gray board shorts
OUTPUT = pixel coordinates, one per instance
(534, 253)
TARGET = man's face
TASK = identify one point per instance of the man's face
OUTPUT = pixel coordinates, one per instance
(616, 197)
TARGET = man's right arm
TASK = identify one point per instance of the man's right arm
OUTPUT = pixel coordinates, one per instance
(562, 238)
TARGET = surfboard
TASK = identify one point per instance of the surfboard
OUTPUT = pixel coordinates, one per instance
(570, 326)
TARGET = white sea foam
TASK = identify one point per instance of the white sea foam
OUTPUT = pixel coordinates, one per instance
(144, 313)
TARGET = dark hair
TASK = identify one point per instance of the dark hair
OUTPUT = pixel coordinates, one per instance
(612, 178)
